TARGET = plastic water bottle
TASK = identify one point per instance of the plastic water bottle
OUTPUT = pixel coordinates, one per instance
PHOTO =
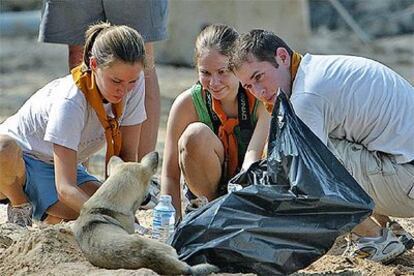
(163, 219)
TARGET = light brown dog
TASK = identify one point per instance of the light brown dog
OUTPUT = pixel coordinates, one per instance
(105, 227)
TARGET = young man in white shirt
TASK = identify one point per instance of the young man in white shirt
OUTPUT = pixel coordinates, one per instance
(362, 110)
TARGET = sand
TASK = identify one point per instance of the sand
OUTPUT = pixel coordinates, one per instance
(51, 250)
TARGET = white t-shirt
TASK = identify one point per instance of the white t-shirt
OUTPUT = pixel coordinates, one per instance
(59, 114)
(356, 99)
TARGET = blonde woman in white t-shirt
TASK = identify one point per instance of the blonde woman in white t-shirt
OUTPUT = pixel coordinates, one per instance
(43, 145)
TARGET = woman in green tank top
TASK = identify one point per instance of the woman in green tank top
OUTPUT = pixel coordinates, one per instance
(214, 128)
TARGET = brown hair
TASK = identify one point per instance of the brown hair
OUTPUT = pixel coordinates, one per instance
(261, 44)
(108, 43)
(216, 36)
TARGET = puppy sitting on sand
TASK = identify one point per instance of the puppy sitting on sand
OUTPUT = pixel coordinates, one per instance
(105, 227)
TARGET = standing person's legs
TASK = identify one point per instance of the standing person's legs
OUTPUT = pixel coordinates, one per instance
(149, 131)
(201, 155)
(149, 18)
(75, 56)
(65, 22)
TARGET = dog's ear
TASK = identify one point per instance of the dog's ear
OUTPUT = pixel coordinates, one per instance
(150, 161)
(113, 162)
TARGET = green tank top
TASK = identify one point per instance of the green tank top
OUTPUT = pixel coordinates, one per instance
(203, 116)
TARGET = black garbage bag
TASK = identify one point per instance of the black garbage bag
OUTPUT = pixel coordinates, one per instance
(292, 207)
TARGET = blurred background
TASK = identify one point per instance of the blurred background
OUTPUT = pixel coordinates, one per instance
(368, 22)
(382, 30)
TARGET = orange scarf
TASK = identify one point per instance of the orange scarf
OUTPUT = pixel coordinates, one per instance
(294, 65)
(227, 136)
(85, 81)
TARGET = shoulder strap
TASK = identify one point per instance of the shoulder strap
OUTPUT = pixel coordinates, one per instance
(245, 123)
(213, 116)
(199, 103)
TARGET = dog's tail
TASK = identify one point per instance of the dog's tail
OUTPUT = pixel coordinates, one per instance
(203, 269)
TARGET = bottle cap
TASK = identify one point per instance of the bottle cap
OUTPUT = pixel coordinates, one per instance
(165, 198)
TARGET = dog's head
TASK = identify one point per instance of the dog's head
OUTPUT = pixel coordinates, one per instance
(132, 176)
(148, 164)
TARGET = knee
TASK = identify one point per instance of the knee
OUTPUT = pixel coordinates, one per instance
(9, 148)
(193, 137)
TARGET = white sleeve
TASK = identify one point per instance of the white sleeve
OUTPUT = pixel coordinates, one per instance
(135, 104)
(314, 111)
(66, 121)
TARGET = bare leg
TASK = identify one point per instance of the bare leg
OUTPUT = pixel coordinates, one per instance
(149, 131)
(368, 228)
(201, 155)
(12, 171)
(75, 56)
(90, 187)
(52, 220)
(395, 227)
(59, 212)
(381, 219)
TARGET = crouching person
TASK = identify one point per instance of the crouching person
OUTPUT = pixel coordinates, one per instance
(215, 128)
(43, 145)
(360, 109)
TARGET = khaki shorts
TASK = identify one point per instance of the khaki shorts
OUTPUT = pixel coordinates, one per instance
(390, 185)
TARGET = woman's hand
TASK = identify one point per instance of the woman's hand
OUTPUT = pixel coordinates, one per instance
(257, 142)
(130, 143)
(69, 193)
(181, 115)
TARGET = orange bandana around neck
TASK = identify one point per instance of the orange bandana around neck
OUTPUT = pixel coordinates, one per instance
(294, 65)
(226, 133)
(85, 81)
